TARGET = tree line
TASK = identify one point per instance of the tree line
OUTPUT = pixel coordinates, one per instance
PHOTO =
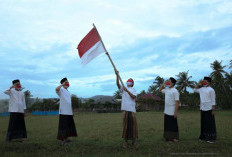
(221, 83)
(152, 99)
(52, 104)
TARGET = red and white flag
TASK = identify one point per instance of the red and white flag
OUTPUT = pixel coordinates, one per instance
(90, 47)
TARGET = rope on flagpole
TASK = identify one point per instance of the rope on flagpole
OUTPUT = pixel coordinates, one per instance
(109, 56)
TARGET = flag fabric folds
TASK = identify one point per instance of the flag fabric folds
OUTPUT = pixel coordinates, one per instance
(90, 47)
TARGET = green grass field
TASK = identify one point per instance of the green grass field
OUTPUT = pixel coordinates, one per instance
(100, 135)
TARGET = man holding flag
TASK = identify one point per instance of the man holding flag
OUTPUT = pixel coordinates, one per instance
(90, 47)
(130, 128)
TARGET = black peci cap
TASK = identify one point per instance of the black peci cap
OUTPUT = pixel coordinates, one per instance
(63, 80)
(15, 81)
(208, 79)
(173, 80)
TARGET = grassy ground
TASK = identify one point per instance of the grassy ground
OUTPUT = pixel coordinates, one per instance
(100, 135)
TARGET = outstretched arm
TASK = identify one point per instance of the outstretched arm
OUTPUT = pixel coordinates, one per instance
(117, 80)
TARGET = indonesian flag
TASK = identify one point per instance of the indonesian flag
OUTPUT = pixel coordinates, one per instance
(90, 47)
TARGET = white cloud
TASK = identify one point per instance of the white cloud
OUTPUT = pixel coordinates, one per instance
(40, 24)
(36, 27)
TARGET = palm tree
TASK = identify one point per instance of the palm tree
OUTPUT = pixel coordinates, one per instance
(183, 82)
(117, 94)
(230, 64)
(142, 93)
(159, 81)
(218, 77)
(228, 80)
(152, 89)
(156, 85)
(27, 95)
(218, 70)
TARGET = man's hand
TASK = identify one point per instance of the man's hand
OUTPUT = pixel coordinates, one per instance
(162, 87)
(125, 89)
(12, 86)
(175, 115)
(116, 72)
(199, 83)
(163, 84)
(117, 79)
(213, 112)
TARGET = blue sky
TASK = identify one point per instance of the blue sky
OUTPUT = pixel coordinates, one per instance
(38, 41)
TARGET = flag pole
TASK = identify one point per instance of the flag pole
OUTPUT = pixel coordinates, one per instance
(109, 56)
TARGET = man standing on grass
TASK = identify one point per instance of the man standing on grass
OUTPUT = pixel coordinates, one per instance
(207, 107)
(17, 107)
(171, 132)
(66, 123)
(130, 129)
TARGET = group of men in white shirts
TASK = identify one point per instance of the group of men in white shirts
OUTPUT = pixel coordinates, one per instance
(207, 107)
(66, 128)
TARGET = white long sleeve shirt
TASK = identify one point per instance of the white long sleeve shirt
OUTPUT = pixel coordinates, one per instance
(207, 97)
(171, 96)
(17, 100)
(128, 104)
(65, 102)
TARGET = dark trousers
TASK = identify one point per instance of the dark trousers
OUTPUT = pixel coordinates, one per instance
(171, 131)
(17, 127)
(208, 126)
(66, 127)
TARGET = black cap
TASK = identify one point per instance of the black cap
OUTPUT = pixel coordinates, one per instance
(173, 80)
(207, 78)
(15, 81)
(63, 80)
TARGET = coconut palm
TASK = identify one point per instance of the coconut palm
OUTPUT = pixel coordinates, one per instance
(117, 94)
(218, 71)
(228, 80)
(230, 64)
(159, 81)
(156, 85)
(142, 93)
(28, 95)
(219, 79)
(183, 82)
